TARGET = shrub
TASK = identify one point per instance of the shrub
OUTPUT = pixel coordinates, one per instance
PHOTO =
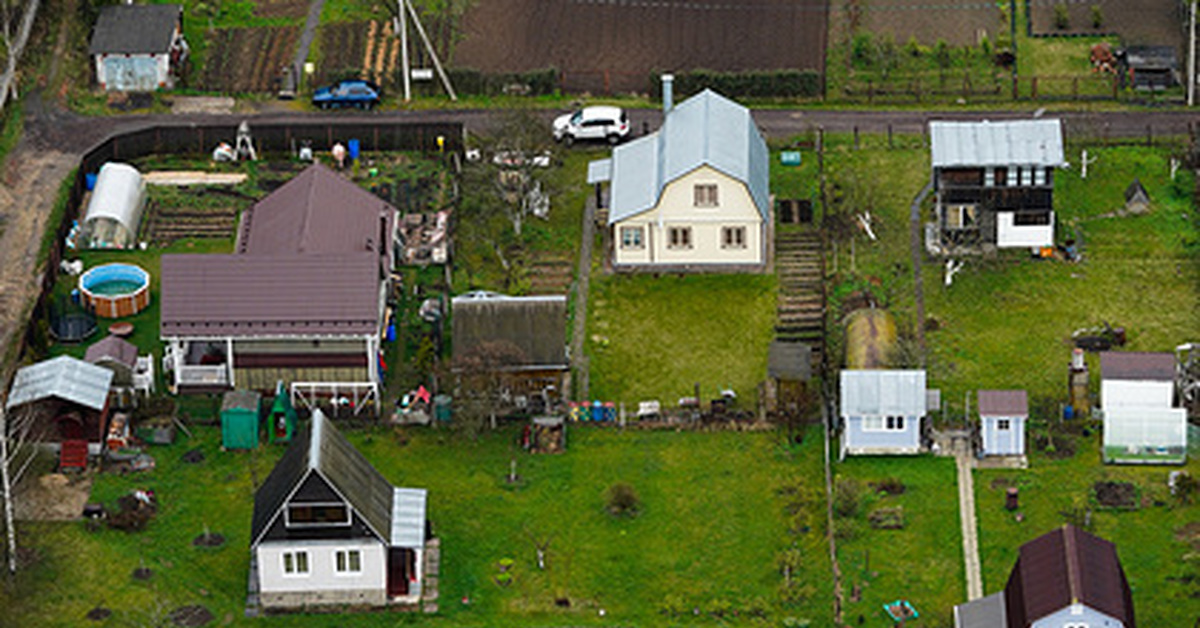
(941, 54)
(890, 485)
(912, 47)
(475, 82)
(1062, 17)
(623, 501)
(764, 84)
(847, 497)
(1097, 16)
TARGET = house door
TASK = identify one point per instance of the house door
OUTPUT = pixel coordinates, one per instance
(70, 427)
(401, 568)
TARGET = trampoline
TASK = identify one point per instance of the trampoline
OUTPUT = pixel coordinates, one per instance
(70, 322)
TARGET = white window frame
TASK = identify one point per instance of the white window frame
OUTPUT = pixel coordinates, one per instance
(1039, 176)
(347, 562)
(989, 177)
(679, 238)
(873, 423)
(638, 238)
(1003, 425)
(733, 237)
(1075, 625)
(292, 562)
(705, 195)
(287, 516)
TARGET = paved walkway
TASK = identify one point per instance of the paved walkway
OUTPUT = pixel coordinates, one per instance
(308, 34)
(970, 534)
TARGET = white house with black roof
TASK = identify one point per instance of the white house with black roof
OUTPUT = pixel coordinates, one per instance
(138, 47)
(329, 529)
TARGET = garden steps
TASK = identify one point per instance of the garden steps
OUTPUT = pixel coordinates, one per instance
(800, 306)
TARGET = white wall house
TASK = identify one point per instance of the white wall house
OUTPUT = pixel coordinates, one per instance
(1002, 416)
(138, 47)
(329, 529)
(882, 411)
(694, 195)
(1137, 398)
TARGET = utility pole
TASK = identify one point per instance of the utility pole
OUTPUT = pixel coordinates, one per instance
(1191, 78)
(403, 29)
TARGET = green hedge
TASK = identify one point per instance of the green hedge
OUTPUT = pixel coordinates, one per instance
(476, 83)
(765, 84)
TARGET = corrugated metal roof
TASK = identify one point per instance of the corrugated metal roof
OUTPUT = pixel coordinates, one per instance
(240, 400)
(985, 612)
(318, 211)
(1064, 567)
(872, 393)
(1137, 366)
(1013, 142)
(534, 329)
(135, 28)
(408, 517)
(64, 377)
(253, 295)
(113, 348)
(706, 129)
(320, 448)
(599, 171)
(1007, 403)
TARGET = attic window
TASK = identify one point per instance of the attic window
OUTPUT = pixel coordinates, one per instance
(304, 515)
(705, 195)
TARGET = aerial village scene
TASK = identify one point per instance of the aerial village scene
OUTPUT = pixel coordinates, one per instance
(537, 313)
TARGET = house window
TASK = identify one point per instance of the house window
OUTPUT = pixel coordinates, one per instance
(1026, 175)
(1031, 219)
(1004, 425)
(1075, 625)
(989, 177)
(295, 563)
(960, 216)
(317, 515)
(631, 237)
(872, 423)
(895, 423)
(705, 194)
(733, 237)
(347, 561)
(1001, 177)
(1039, 176)
(679, 238)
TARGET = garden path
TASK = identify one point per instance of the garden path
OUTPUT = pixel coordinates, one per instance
(579, 362)
(308, 34)
(966, 511)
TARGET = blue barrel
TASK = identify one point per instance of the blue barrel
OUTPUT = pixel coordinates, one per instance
(391, 332)
(352, 147)
(89, 181)
(597, 411)
(1068, 412)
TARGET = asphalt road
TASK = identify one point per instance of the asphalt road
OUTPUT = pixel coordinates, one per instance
(69, 132)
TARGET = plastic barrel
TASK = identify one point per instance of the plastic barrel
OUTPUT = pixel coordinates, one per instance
(352, 147)
(89, 181)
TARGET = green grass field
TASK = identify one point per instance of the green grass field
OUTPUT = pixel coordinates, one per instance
(1160, 565)
(703, 551)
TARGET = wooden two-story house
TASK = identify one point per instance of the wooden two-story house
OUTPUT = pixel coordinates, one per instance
(993, 184)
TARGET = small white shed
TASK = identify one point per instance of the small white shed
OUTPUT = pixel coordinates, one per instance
(1002, 416)
(1142, 424)
(882, 411)
(138, 47)
(115, 209)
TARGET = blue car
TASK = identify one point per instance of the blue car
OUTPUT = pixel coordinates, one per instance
(350, 93)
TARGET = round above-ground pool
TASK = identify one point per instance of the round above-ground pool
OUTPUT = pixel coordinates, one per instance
(115, 290)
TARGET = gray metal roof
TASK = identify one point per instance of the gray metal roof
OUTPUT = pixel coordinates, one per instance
(886, 393)
(270, 295)
(526, 332)
(64, 377)
(1005, 403)
(320, 448)
(240, 400)
(985, 612)
(408, 517)
(1133, 365)
(135, 28)
(704, 130)
(1005, 143)
(599, 171)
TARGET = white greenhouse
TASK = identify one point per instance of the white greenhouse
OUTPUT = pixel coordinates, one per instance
(115, 209)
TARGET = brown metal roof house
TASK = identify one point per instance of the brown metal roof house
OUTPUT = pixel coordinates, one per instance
(301, 301)
(1067, 578)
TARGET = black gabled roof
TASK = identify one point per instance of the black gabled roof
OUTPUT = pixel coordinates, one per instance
(135, 28)
(321, 449)
(1136, 188)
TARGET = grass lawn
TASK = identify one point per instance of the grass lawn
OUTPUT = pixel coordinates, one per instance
(655, 337)
(922, 562)
(712, 525)
(1155, 560)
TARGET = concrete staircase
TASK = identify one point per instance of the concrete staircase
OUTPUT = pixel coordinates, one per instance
(800, 266)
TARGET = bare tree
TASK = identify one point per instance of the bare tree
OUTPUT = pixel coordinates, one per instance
(18, 433)
(12, 12)
(482, 383)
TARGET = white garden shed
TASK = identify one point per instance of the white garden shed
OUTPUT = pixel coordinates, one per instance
(115, 209)
(1142, 424)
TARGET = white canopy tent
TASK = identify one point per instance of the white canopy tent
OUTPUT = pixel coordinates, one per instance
(115, 209)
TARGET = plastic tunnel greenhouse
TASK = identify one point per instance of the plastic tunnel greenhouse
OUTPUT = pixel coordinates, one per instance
(1145, 435)
(115, 209)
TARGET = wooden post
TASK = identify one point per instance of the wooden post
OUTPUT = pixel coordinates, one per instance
(1075, 88)
(1016, 88)
(890, 134)
(856, 137)
(1033, 86)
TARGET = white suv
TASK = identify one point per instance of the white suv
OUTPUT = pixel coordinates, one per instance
(592, 123)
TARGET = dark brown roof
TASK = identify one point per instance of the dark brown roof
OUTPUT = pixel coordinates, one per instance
(1003, 403)
(1141, 366)
(245, 295)
(1136, 189)
(532, 329)
(319, 211)
(1064, 567)
(113, 348)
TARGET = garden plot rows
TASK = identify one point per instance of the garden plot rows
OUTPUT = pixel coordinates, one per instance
(957, 22)
(167, 224)
(364, 49)
(1138, 22)
(281, 8)
(245, 60)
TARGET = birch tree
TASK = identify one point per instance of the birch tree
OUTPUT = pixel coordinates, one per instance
(18, 433)
(16, 22)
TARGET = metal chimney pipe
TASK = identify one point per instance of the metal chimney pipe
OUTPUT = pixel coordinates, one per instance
(668, 92)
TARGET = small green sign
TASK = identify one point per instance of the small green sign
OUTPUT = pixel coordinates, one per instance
(790, 158)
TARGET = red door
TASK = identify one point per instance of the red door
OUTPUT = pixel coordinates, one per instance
(401, 567)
